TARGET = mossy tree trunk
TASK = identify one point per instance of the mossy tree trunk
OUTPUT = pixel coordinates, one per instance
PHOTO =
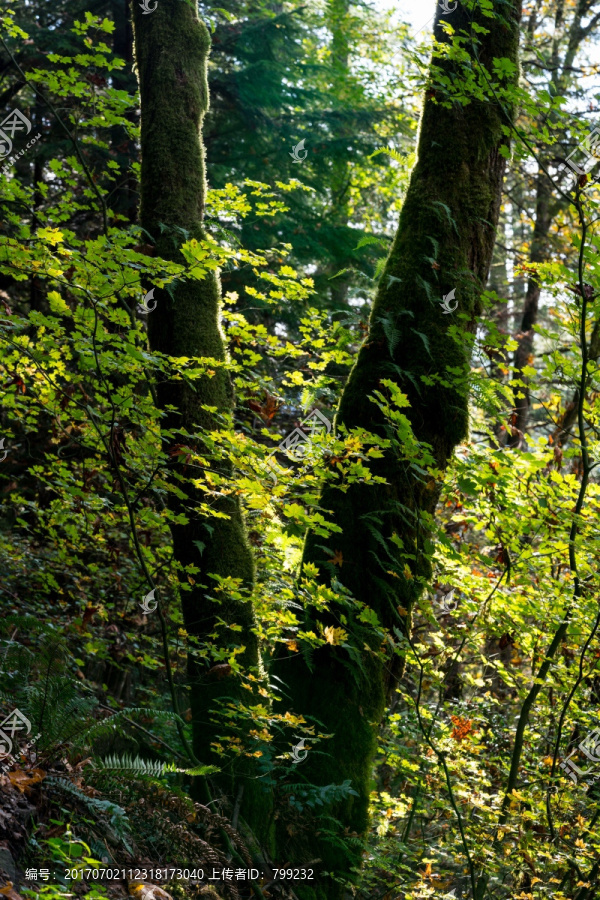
(171, 50)
(444, 241)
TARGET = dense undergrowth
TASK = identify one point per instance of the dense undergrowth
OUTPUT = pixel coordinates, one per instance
(500, 682)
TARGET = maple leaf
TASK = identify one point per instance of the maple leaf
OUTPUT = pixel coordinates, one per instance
(427, 872)
(267, 409)
(505, 640)
(335, 636)
(88, 615)
(338, 558)
(461, 727)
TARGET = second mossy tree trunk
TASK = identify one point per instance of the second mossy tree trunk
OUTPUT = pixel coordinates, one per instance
(444, 242)
(171, 51)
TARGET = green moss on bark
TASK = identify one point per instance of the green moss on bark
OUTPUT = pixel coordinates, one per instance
(171, 48)
(444, 241)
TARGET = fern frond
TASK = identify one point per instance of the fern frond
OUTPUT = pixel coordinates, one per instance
(57, 709)
(117, 827)
(126, 763)
(26, 623)
(153, 768)
(107, 726)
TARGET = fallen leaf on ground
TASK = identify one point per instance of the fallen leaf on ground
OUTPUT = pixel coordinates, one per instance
(24, 780)
(9, 892)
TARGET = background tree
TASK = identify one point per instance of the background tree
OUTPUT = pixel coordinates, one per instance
(554, 60)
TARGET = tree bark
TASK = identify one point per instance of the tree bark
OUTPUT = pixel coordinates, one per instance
(171, 50)
(444, 241)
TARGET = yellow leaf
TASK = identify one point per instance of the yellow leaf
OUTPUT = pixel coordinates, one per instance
(51, 235)
(335, 636)
(56, 303)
